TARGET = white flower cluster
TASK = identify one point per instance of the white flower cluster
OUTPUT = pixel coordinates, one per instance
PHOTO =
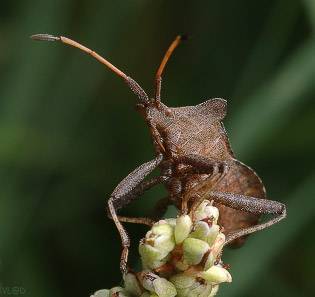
(179, 258)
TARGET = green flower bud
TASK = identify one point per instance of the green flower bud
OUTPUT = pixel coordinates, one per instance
(216, 249)
(210, 261)
(214, 291)
(181, 265)
(170, 249)
(158, 285)
(164, 243)
(147, 279)
(146, 294)
(208, 291)
(182, 281)
(162, 228)
(158, 243)
(183, 292)
(194, 250)
(151, 257)
(182, 228)
(201, 230)
(101, 293)
(161, 236)
(132, 284)
(214, 230)
(196, 290)
(202, 290)
(171, 222)
(164, 288)
(216, 275)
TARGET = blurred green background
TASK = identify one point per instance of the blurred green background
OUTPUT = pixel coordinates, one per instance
(69, 132)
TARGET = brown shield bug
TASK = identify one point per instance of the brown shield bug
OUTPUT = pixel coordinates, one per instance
(195, 159)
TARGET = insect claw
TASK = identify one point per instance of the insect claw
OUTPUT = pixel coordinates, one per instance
(45, 37)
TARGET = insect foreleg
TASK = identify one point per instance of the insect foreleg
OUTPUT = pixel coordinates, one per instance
(125, 187)
(201, 164)
(137, 192)
(252, 205)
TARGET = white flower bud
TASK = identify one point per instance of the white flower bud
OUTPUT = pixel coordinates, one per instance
(206, 210)
(182, 228)
(132, 285)
(194, 250)
(216, 275)
(212, 212)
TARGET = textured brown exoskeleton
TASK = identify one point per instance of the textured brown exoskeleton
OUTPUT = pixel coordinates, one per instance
(196, 162)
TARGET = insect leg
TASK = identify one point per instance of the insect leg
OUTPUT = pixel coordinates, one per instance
(252, 205)
(126, 186)
(222, 168)
(201, 165)
(140, 220)
(138, 191)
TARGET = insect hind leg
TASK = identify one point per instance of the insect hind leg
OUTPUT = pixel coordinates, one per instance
(251, 205)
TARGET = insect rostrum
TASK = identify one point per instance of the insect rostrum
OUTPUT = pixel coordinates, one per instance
(195, 159)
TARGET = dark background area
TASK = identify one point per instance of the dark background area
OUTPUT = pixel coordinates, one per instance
(69, 132)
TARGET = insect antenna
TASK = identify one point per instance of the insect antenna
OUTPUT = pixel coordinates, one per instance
(158, 75)
(133, 85)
